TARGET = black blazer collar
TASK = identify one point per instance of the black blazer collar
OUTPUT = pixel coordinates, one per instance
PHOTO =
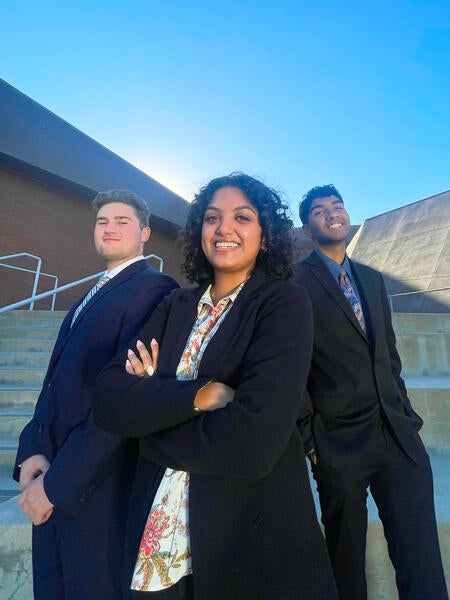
(321, 271)
(187, 314)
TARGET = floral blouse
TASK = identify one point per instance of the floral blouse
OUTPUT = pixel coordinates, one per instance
(164, 555)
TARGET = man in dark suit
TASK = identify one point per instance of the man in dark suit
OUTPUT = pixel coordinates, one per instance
(360, 429)
(76, 478)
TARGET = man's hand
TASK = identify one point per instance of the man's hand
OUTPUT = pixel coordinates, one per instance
(31, 468)
(34, 502)
(213, 395)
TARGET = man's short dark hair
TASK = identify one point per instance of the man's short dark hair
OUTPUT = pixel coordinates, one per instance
(320, 191)
(126, 197)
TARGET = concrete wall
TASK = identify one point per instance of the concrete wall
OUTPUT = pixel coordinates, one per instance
(411, 247)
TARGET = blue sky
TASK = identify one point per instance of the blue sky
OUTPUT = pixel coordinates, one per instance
(297, 93)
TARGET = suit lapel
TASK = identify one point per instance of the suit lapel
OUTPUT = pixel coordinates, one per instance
(185, 317)
(62, 338)
(322, 273)
(66, 331)
(231, 328)
(119, 279)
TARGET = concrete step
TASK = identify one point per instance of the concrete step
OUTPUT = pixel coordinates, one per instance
(21, 376)
(7, 457)
(19, 399)
(424, 353)
(421, 322)
(21, 344)
(39, 317)
(32, 332)
(8, 487)
(24, 359)
(10, 427)
(432, 403)
(15, 553)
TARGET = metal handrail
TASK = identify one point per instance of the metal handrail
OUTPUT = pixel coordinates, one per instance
(36, 273)
(67, 286)
(41, 274)
(390, 296)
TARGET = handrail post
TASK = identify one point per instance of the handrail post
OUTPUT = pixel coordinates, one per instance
(55, 287)
(36, 280)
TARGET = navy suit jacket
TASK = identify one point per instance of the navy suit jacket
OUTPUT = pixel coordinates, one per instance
(253, 527)
(90, 470)
(353, 377)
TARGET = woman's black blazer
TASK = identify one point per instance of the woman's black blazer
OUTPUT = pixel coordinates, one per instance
(253, 528)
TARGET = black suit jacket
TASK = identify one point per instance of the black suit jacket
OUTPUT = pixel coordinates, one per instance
(90, 470)
(353, 377)
(253, 528)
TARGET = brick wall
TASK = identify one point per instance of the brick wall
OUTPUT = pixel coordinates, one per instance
(58, 227)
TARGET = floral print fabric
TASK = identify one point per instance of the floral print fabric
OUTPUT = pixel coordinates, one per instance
(164, 555)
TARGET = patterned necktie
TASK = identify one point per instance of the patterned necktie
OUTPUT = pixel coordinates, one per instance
(88, 296)
(347, 288)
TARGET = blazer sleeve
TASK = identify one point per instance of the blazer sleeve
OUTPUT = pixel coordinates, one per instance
(133, 406)
(90, 454)
(247, 437)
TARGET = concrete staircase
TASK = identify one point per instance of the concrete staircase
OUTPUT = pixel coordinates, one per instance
(26, 342)
(423, 341)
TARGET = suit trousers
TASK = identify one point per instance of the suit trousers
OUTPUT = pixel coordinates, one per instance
(403, 493)
(71, 563)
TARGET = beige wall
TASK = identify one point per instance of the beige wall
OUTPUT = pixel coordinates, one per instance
(58, 227)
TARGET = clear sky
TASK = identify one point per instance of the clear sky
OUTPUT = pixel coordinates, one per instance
(298, 93)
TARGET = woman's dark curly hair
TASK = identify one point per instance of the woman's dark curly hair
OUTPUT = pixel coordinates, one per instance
(276, 225)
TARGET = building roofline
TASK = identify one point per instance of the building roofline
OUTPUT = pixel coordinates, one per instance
(407, 205)
(37, 143)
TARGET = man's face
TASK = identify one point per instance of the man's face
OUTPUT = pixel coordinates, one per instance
(118, 236)
(328, 223)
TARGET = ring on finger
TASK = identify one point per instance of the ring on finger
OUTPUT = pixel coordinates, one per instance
(150, 370)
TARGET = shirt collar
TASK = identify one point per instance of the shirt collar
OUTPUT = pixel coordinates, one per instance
(123, 266)
(335, 267)
(206, 298)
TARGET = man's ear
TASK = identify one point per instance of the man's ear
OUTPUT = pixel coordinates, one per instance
(145, 234)
(307, 231)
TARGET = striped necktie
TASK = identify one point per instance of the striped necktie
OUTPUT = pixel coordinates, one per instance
(347, 288)
(88, 296)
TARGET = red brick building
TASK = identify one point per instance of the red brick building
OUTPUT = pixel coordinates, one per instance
(49, 174)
